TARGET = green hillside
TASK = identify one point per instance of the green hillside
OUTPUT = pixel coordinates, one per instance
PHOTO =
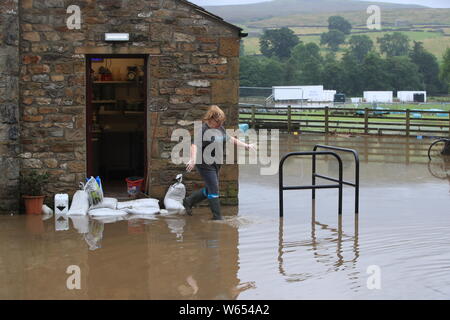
(430, 26)
(281, 8)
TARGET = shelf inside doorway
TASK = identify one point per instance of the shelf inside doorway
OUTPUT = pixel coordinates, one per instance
(116, 82)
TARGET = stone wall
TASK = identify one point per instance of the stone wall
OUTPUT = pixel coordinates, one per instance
(9, 110)
(194, 62)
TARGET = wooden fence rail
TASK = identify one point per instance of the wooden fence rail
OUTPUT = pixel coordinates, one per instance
(349, 120)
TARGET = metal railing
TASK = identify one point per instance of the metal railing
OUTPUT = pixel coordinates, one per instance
(355, 185)
(313, 187)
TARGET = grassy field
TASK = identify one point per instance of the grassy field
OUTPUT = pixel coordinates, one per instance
(434, 42)
(430, 26)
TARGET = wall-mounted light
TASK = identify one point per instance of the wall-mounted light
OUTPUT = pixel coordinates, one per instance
(117, 37)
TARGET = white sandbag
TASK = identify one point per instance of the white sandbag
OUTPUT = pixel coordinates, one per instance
(139, 203)
(173, 206)
(110, 203)
(102, 212)
(142, 210)
(80, 204)
(173, 200)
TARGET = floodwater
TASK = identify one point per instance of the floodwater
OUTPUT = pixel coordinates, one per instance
(396, 248)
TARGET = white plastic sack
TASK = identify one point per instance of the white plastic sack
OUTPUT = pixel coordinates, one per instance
(94, 191)
(173, 200)
(106, 212)
(142, 210)
(110, 203)
(80, 204)
(139, 203)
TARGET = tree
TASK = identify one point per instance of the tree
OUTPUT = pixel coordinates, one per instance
(339, 23)
(359, 47)
(272, 73)
(403, 74)
(278, 42)
(445, 70)
(375, 75)
(354, 76)
(428, 67)
(333, 75)
(394, 44)
(306, 62)
(333, 39)
(250, 71)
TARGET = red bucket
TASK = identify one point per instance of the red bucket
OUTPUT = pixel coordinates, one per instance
(134, 185)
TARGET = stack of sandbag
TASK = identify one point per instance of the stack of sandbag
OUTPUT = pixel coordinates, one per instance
(106, 208)
(140, 206)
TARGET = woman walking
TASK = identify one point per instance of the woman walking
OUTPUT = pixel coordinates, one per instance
(209, 170)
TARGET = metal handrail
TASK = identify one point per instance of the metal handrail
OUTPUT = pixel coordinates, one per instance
(355, 185)
(282, 188)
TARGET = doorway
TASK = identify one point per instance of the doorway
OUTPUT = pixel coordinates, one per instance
(116, 119)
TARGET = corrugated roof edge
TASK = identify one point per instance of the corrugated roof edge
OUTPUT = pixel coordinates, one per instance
(215, 17)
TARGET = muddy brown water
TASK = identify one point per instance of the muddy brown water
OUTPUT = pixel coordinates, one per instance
(402, 229)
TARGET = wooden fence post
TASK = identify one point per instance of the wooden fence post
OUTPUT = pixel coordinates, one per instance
(289, 124)
(366, 120)
(408, 121)
(449, 123)
(327, 109)
(253, 121)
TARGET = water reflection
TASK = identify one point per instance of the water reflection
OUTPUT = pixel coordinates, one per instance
(174, 257)
(336, 261)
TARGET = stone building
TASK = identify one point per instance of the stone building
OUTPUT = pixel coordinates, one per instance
(55, 107)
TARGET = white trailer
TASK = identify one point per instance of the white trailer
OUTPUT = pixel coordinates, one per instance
(305, 93)
(328, 95)
(379, 96)
(408, 96)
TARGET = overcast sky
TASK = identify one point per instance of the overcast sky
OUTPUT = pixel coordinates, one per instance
(430, 3)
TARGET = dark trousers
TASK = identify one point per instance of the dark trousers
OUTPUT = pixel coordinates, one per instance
(210, 176)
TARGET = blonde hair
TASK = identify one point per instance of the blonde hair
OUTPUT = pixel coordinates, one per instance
(214, 113)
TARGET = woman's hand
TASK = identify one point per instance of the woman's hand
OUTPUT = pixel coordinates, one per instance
(251, 146)
(190, 165)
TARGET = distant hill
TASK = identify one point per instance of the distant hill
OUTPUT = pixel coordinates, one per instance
(280, 8)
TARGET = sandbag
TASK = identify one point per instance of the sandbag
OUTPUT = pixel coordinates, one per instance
(110, 203)
(106, 212)
(139, 203)
(80, 204)
(173, 201)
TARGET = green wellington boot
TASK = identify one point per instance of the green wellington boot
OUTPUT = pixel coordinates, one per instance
(214, 204)
(193, 199)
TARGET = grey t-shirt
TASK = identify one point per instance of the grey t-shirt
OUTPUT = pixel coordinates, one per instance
(215, 140)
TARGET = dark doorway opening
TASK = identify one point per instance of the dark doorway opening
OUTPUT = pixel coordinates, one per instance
(116, 119)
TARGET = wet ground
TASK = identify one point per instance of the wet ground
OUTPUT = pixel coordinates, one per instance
(402, 230)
